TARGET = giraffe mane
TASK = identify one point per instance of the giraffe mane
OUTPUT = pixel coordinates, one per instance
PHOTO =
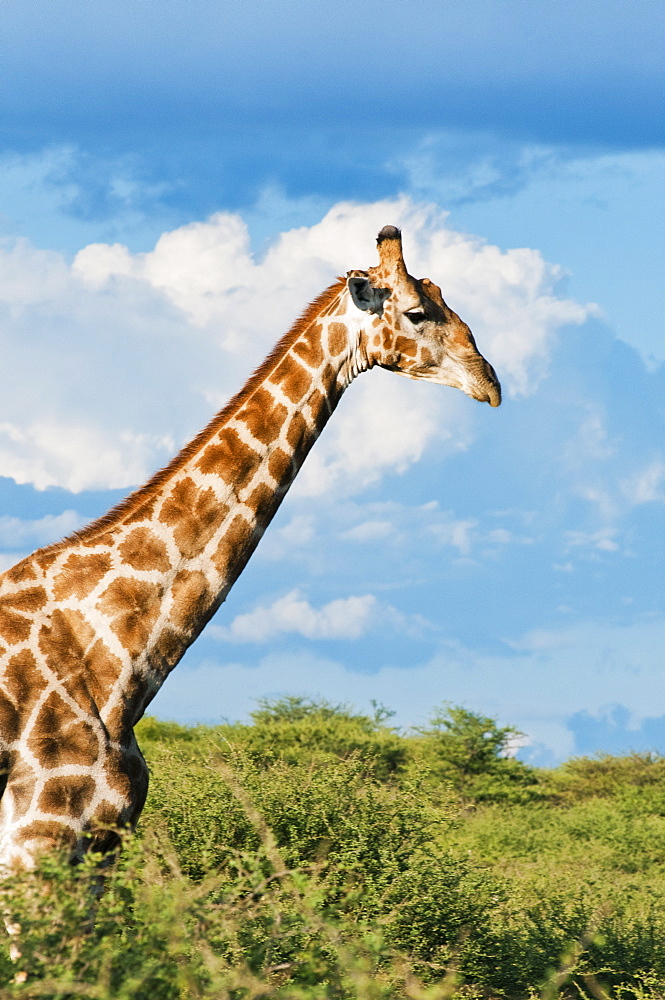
(144, 493)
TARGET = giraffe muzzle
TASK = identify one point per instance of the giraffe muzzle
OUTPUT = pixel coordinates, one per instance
(493, 395)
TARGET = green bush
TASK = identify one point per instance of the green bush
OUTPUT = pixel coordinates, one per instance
(318, 853)
(292, 728)
(472, 753)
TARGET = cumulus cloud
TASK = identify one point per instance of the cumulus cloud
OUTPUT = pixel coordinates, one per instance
(110, 362)
(381, 426)
(344, 618)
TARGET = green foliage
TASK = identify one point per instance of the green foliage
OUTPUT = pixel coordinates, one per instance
(469, 743)
(638, 777)
(290, 728)
(472, 752)
(150, 730)
(318, 853)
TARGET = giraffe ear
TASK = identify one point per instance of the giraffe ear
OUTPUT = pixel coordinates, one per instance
(366, 296)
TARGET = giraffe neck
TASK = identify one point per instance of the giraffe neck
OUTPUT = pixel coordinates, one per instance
(133, 590)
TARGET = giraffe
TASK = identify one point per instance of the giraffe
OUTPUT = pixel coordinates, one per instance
(91, 626)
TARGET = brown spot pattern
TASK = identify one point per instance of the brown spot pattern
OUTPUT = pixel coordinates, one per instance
(21, 787)
(407, 346)
(260, 501)
(231, 459)
(80, 575)
(128, 710)
(293, 379)
(117, 720)
(279, 465)
(44, 559)
(22, 572)
(329, 378)
(106, 814)
(234, 547)
(191, 599)
(103, 538)
(194, 514)
(142, 512)
(132, 607)
(106, 823)
(103, 671)
(9, 719)
(320, 409)
(63, 642)
(296, 430)
(22, 687)
(44, 835)
(68, 796)
(126, 774)
(309, 348)
(59, 736)
(336, 338)
(142, 549)
(14, 627)
(169, 648)
(263, 416)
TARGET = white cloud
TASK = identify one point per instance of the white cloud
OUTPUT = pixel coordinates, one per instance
(457, 533)
(612, 468)
(76, 457)
(602, 540)
(501, 536)
(109, 363)
(344, 618)
(15, 532)
(382, 426)
(531, 690)
(334, 536)
(369, 531)
(646, 484)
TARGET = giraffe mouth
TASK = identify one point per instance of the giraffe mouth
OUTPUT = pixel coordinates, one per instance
(486, 386)
(493, 396)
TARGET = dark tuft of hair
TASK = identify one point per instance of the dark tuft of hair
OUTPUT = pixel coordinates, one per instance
(389, 233)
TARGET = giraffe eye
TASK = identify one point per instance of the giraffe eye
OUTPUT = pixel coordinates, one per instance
(415, 316)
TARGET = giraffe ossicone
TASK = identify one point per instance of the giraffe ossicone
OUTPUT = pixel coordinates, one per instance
(91, 626)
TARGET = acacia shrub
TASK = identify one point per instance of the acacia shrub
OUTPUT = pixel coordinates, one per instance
(473, 753)
(635, 780)
(376, 848)
(295, 728)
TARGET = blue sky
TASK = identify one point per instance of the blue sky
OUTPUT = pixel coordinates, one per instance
(176, 180)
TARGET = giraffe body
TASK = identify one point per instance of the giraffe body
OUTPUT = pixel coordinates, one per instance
(90, 627)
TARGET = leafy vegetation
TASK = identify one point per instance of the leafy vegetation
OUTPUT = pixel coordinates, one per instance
(317, 853)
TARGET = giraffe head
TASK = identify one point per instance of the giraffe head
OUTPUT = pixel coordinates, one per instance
(412, 331)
